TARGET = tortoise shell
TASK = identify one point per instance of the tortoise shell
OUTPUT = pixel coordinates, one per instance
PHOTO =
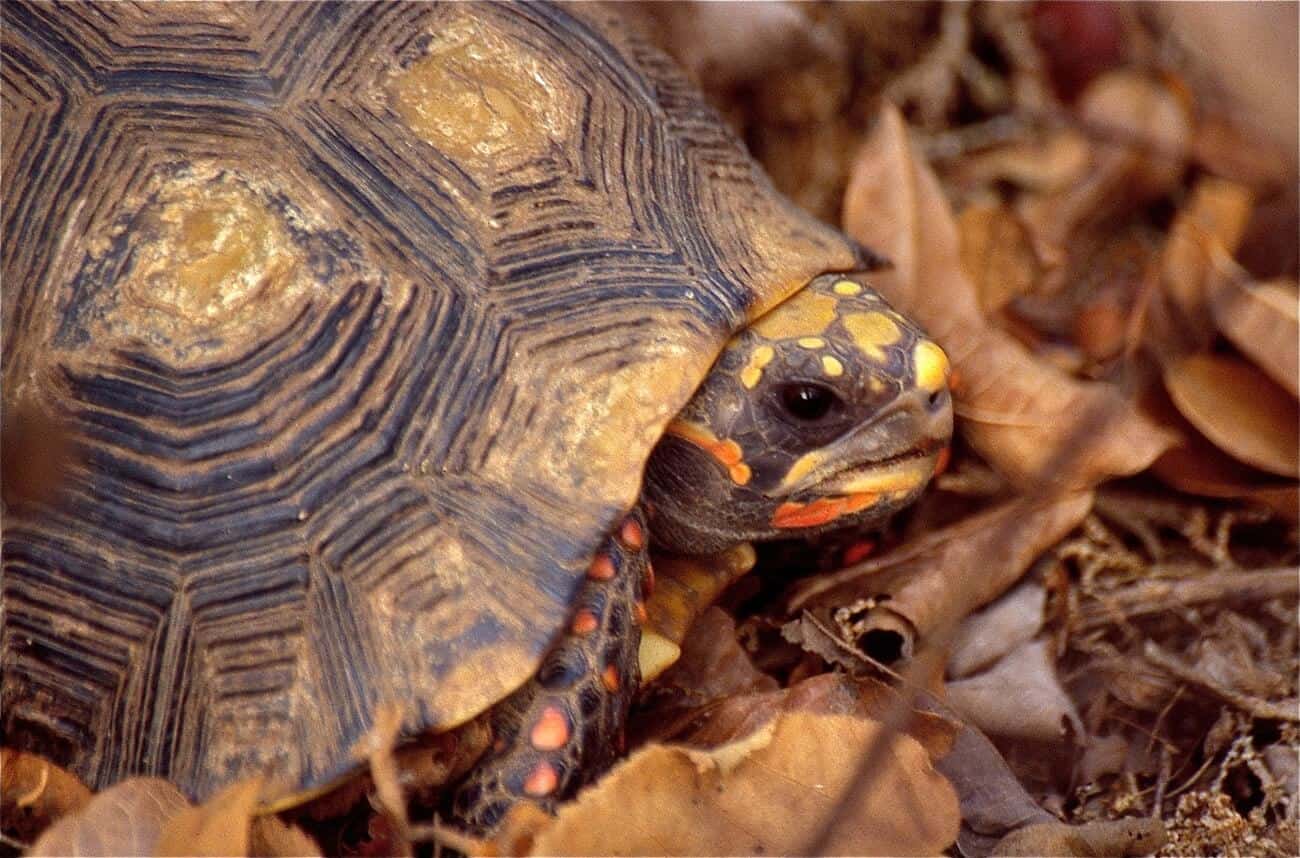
(363, 320)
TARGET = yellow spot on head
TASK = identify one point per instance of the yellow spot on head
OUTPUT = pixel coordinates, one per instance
(811, 342)
(847, 287)
(873, 332)
(832, 367)
(753, 371)
(807, 314)
(931, 366)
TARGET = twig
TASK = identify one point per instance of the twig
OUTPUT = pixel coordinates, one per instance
(1160, 596)
(1245, 702)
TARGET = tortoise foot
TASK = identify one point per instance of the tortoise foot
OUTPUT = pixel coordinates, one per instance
(566, 725)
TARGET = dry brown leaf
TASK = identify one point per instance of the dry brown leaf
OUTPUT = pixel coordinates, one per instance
(34, 793)
(1091, 840)
(1261, 320)
(993, 801)
(271, 837)
(768, 793)
(219, 826)
(1244, 412)
(1019, 413)
(125, 819)
(989, 634)
(1046, 166)
(1196, 466)
(824, 694)
(1249, 49)
(990, 550)
(713, 665)
(997, 254)
(1211, 223)
(1020, 697)
(1142, 132)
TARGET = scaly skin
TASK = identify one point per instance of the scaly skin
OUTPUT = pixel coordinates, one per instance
(566, 725)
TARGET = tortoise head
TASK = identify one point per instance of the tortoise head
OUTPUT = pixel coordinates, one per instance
(829, 411)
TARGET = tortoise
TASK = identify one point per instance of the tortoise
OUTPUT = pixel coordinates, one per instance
(367, 323)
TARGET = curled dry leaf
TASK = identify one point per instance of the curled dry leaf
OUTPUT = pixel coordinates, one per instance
(125, 819)
(1020, 697)
(1261, 320)
(974, 560)
(34, 792)
(767, 793)
(1207, 228)
(1245, 413)
(1015, 409)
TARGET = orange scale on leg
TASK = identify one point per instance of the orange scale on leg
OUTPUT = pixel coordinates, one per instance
(602, 568)
(551, 731)
(609, 678)
(630, 534)
(542, 781)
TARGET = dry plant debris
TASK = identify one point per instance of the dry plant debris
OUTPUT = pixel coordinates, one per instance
(1096, 216)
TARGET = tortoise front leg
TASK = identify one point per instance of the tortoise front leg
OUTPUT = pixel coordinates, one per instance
(565, 726)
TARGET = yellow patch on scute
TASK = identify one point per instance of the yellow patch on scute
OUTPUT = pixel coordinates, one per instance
(847, 287)
(480, 95)
(807, 314)
(832, 366)
(931, 365)
(214, 248)
(811, 342)
(753, 371)
(873, 332)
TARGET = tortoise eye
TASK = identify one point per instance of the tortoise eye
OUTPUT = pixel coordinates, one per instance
(808, 402)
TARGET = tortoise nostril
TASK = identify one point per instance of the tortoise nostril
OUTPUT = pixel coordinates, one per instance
(937, 398)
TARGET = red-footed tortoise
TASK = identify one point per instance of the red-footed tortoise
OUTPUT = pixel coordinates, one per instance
(365, 321)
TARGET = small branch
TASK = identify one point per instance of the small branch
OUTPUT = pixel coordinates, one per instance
(1245, 702)
(1159, 597)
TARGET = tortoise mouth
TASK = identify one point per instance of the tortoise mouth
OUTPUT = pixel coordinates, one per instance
(902, 473)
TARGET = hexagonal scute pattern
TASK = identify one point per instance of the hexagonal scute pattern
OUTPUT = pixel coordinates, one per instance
(364, 319)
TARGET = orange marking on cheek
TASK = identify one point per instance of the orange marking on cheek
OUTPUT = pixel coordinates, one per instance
(543, 780)
(648, 583)
(609, 678)
(639, 611)
(727, 453)
(792, 514)
(585, 622)
(551, 732)
(630, 534)
(601, 568)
